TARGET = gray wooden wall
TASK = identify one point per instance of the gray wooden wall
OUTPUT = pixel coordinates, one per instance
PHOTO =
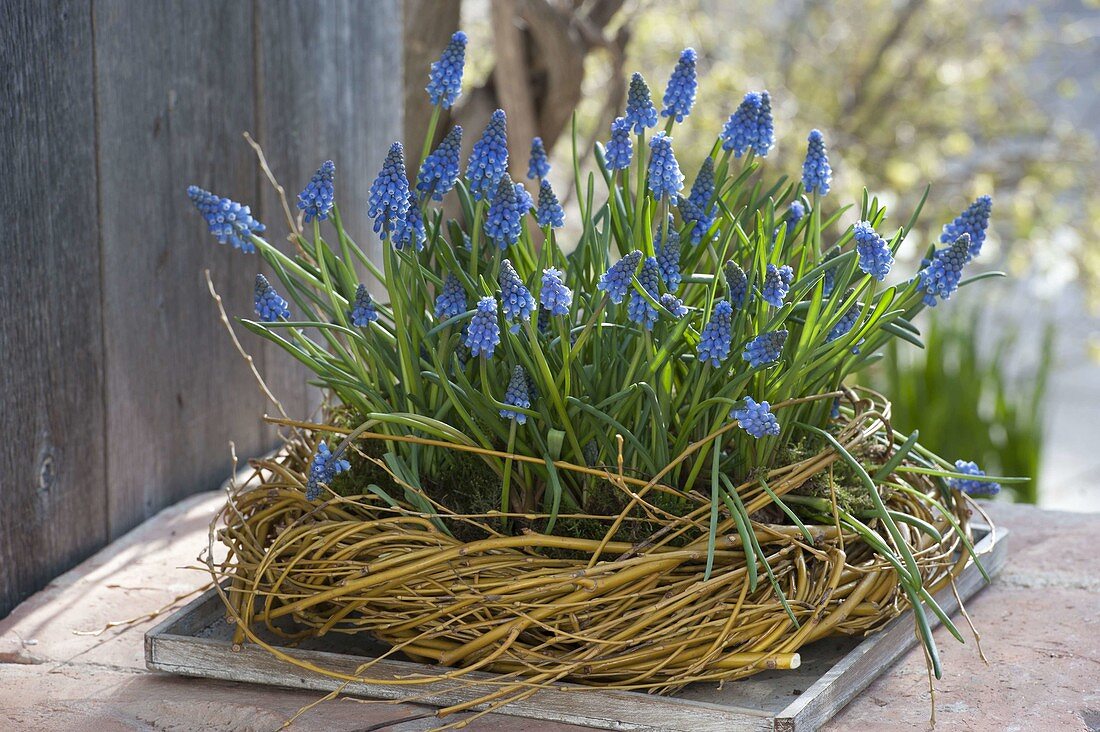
(119, 389)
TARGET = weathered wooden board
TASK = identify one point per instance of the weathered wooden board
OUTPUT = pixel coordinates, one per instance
(52, 483)
(196, 641)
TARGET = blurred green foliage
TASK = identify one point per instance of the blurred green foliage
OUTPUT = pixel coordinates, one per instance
(965, 402)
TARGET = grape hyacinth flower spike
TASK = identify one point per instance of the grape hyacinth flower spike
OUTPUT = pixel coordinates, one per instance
(269, 306)
(389, 196)
(504, 221)
(445, 78)
(750, 126)
(640, 112)
(756, 419)
(697, 207)
(941, 277)
(619, 150)
(483, 334)
(765, 348)
(875, 258)
(777, 283)
(816, 173)
(413, 231)
(715, 340)
(515, 299)
(549, 211)
(538, 167)
(363, 311)
(973, 221)
(451, 300)
(316, 198)
(972, 487)
(616, 280)
(665, 178)
(668, 257)
(489, 158)
(737, 282)
(517, 395)
(680, 92)
(674, 305)
(639, 310)
(229, 221)
(323, 469)
(555, 296)
(439, 171)
(846, 322)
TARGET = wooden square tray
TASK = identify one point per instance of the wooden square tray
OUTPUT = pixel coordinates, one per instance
(197, 641)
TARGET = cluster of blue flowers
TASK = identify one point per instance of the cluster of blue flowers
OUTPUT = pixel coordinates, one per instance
(737, 282)
(777, 283)
(483, 333)
(765, 348)
(489, 158)
(875, 258)
(972, 487)
(756, 419)
(517, 395)
(504, 221)
(616, 280)
(515, 299)
(668, 258)
(539, 166)
(555, 296)
(439, 171)
(316, 199)
(973, 222)
(445, 79)
(697, 207)
(619, 150)
(750, 126)
(549, 212)
(451, 300)
(715, 340)
(640, 112)
(389, 196)
(665, 178)
(639, 310)
(269, 306)
(816, 173)
(322, 470)
(674, 305)
(363, 312)
(680, 92)
(846, 322)
(227, 220)
(941, 277)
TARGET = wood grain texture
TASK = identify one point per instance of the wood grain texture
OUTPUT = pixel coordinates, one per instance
(175, 89)
(330, 90)
(196, 641)
(52, 478)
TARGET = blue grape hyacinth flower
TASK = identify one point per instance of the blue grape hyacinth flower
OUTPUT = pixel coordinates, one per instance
(846, 322)
(668, 257)
(639, 310)
(413, 231)
(680, 92)
(665, 178)
(555, 296)
(715, 340)
(941, 277)
(227, 220)
(515, 299)
(875, 258)
(489, 158)
(697, 207)
(795, 214)
(765, 348)
(451, 300)
(363, 312)
(439, 171)
(973, 487)
(737, 282)
(640, 112)
(830, 274)
(777, 283)
(323, 469)
(756, 419)
(504, 221)
(538, 167)
(973, 221)
(483, 334)
(445, 78)
(316, 198)
(673, 304)
(619, 150)
(549, 211)
(750, 126)
(517, 395)
(616, 280)
(816, 173)
(389, 195)
(269, 306)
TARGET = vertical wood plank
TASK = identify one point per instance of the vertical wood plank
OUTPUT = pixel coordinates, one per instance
(175, 87)
(52, 478)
